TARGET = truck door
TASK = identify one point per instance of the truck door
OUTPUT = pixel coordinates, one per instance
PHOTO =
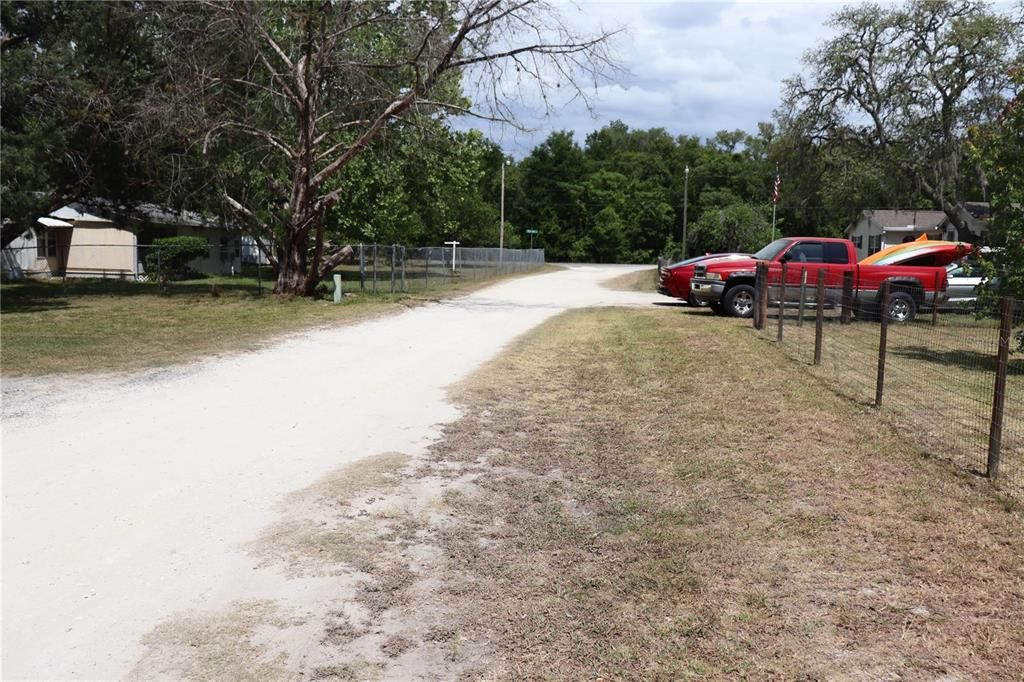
(812, 256)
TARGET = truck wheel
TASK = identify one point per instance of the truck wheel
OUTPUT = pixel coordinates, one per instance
(739, 301)
(695, 302)
(901, 307)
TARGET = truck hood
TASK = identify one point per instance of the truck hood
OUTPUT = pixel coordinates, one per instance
(920, 252)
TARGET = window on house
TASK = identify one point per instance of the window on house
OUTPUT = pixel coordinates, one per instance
(858, 240)
(874, 243)
(46, 243)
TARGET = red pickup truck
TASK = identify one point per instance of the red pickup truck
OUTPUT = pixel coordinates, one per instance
(728, 285)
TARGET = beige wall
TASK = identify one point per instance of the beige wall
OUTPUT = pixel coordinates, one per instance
(100, 249)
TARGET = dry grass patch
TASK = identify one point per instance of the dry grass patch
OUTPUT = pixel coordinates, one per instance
(679, 502)
(641, 280)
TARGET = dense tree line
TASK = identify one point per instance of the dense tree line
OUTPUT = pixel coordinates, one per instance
(316, 125)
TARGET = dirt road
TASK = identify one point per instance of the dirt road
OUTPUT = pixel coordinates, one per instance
(128, 500)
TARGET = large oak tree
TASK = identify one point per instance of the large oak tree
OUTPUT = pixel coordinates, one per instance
(897, 88)
(282, 97)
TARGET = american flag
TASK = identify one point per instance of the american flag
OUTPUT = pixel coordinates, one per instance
(775, 190)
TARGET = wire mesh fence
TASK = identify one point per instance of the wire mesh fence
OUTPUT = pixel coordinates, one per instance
(947, 378)
(374, 268)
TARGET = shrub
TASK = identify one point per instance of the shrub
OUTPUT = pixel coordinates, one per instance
(170, 256)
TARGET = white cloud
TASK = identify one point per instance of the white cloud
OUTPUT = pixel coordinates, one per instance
(693, 68)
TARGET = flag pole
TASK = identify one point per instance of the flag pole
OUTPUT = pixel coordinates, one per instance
(775, 198)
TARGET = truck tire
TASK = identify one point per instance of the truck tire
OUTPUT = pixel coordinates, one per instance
(902, 307)
(739, 301)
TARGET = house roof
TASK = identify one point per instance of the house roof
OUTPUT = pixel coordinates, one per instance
(919, 220)
(150, 213)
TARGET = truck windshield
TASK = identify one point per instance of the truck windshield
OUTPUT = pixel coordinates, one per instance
(772, 250)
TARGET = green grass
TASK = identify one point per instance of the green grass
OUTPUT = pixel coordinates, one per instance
(86, 326)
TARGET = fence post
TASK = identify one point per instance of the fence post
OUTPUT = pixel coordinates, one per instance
(847, 315)
(803, 296)
(426, 270)
(782, 299)
(760, 275)
(374, 271)
(883, 337)
(819, 321)
(362, 268)
(337, 287)
(403, 269)
(995, 433)
(935, 302)
(393, 249)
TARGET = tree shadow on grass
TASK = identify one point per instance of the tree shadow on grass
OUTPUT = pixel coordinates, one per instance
(42, 295)
(960, 359)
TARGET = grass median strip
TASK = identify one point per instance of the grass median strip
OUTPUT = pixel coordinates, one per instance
(677, 502)
(112, 326)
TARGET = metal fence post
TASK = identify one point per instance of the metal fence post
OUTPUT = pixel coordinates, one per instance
(819, 321)
(374, 271)
(847, 314)
(995, 433)
(782, 300)
(403, 269)
(803, 296)
(393, 249)
(362, 268)
(883, 337)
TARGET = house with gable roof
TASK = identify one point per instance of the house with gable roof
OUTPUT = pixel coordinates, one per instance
(97, 241)
(875, 229)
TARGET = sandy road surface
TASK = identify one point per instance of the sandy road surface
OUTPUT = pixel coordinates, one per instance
(127, 500)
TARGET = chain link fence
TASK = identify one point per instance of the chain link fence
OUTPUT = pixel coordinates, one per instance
(374, 268)
(948, 379)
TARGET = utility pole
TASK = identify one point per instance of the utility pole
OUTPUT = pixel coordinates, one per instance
(686, 200)
(501, 235)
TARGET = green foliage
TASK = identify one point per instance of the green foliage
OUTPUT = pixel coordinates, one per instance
(169, 256)
(732, 227)
(999, 149)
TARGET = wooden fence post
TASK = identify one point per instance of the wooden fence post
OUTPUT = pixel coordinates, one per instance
(995, 433)
(883, 339)
(819, 320)
(760, 275)
(782, 300)
(803, 296)
(847, 314)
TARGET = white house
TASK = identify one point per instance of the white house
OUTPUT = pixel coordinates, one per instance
(74, 241)
(876, 229)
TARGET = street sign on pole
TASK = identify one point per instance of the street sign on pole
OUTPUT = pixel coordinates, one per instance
(531, 233)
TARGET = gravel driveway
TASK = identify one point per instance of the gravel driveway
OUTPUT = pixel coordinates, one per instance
(128, 499)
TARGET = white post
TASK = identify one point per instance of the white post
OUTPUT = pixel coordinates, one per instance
(337, 287)
(454, 244)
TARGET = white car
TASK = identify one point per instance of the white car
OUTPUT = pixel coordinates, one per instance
(964, 279)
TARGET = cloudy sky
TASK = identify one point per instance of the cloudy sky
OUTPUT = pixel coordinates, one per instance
(692, 68)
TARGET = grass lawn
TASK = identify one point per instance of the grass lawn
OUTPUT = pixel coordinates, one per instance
(110, 326)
